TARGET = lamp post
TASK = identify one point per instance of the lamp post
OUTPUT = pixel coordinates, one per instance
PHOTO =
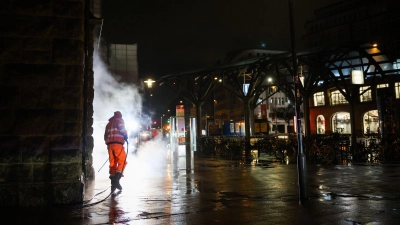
(149, 82)
(161, 124)
(301, 158)
(272, 106)
(276, 110)
(215, 103)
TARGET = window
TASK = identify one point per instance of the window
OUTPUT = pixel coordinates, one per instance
(397, 89)
(382, 85)
(320, 121)
(337, 98)
(341, 123)
(371, 122)
(365, 94)
(123, 57)
(319, 99)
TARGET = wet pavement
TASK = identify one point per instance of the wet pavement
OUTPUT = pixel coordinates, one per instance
(228, 192)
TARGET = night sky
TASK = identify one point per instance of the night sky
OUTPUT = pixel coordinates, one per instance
(178, 35)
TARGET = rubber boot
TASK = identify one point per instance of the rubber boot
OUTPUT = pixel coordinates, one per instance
(116, 181)
(113, 186)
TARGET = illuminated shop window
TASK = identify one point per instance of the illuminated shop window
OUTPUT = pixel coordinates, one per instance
(320, 124)
(397, 89)
(337, 98)
(341, 123)
(365, 94)
(370, 122)
(319, 99)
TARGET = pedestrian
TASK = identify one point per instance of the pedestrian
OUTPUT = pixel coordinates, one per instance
(115, 136)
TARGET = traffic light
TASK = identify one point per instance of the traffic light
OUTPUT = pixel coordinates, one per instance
(155, 122)
(168, 121)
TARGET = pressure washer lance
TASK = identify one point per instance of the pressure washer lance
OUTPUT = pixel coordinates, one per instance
(103, 165)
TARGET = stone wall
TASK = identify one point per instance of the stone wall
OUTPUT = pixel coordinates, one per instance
(42, 72)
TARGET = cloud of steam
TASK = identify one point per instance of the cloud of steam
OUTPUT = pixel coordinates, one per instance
(110, 95)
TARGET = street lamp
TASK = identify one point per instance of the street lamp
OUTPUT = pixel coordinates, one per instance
(215, 102)
(276, 109)
(301, 159)
(149, 83)
(273, 98)
(161, 121)
(357, 77)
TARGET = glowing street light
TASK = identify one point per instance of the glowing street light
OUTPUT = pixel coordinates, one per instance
(149, 83)
(357, 77)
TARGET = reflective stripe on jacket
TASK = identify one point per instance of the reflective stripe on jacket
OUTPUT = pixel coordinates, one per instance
(115, 131)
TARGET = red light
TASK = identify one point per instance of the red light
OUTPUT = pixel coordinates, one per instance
(155, 122)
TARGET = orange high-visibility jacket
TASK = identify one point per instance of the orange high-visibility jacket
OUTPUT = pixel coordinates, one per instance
(115, 131)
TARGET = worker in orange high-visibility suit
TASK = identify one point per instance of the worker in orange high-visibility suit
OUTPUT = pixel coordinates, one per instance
(115, 136)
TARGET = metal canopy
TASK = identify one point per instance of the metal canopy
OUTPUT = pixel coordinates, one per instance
(318, 69)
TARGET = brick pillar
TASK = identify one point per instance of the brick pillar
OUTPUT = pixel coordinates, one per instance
(41, 110)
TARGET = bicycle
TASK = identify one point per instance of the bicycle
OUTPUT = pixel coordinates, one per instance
(284, 150)
(324, 154)
(374, 153)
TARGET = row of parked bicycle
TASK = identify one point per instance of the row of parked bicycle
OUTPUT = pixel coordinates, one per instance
(331, 149)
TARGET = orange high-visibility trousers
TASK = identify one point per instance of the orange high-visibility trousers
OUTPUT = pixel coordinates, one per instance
(117, 157)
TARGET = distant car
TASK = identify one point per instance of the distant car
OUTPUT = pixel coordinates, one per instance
(144, 136)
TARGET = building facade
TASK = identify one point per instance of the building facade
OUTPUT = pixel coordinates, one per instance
(364, 22)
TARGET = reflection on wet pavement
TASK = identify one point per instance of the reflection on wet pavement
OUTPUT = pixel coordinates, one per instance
(231, 192)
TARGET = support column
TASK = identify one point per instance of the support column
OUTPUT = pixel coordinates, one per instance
(198, 118)
(246, 103)
(187, 137)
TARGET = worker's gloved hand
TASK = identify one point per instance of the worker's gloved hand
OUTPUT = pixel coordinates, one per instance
(126, 138)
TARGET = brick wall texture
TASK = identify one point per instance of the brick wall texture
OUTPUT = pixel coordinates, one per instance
(42, 72)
